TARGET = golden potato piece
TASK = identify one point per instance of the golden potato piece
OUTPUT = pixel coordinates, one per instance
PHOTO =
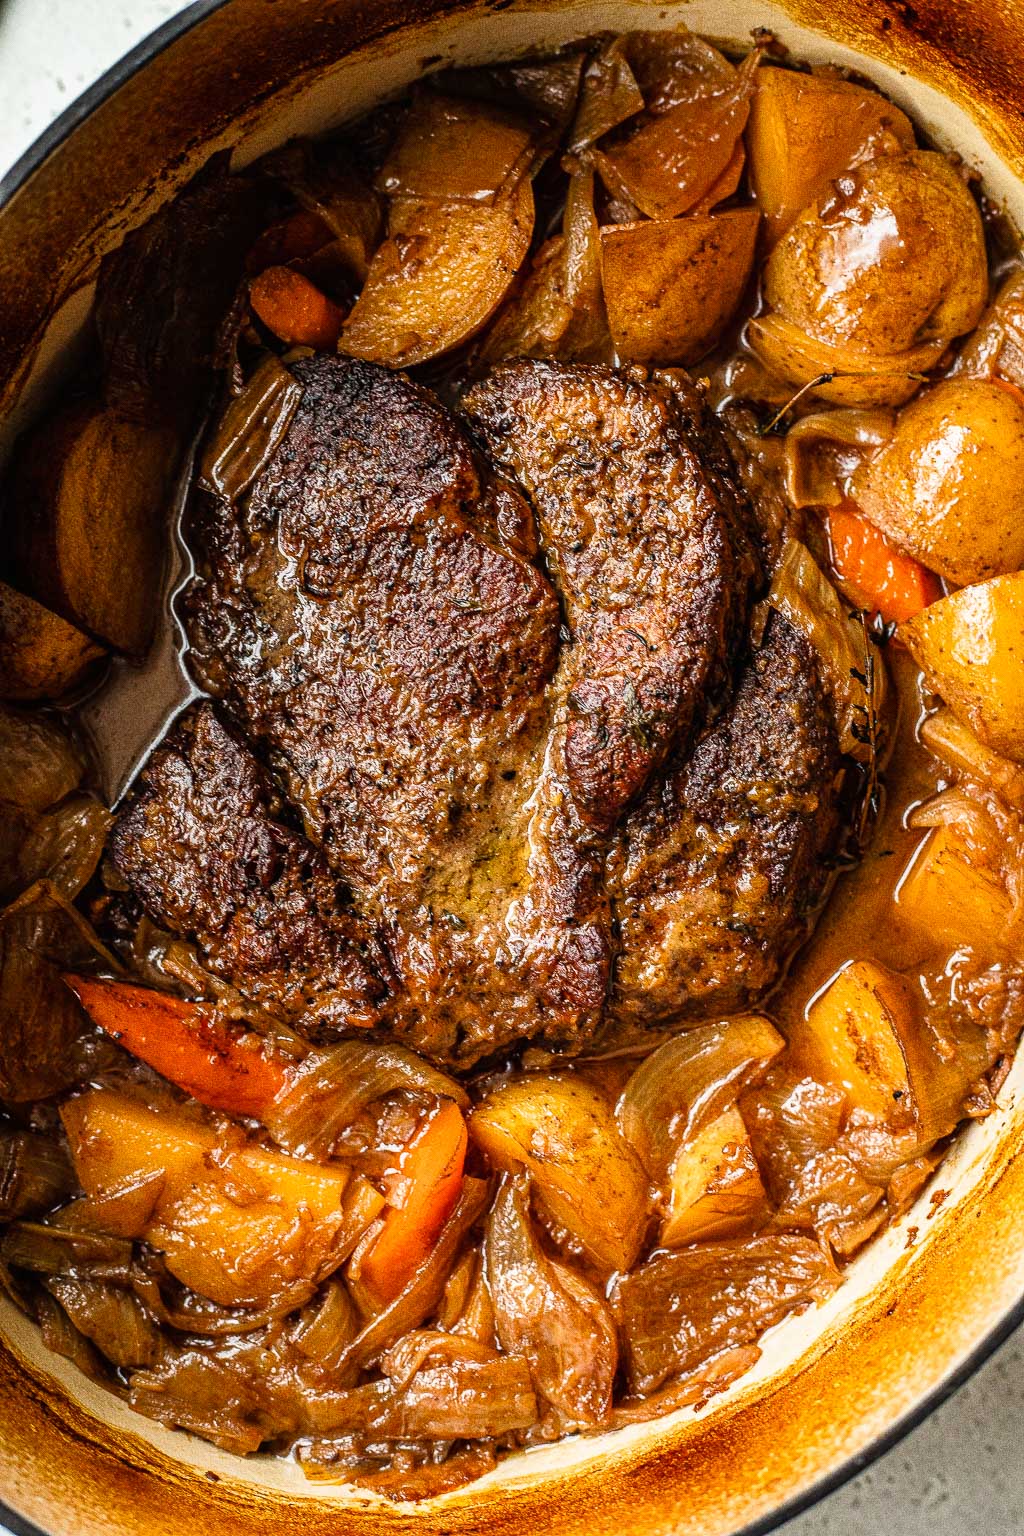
(865, 1034)
(953, 896)
(839, 374)
(970, 647)
(715, 1187)
(88, 494)
(240, 1230)
(438, 277)
(805, 130)
(671, 287)
(897, 261)
(42, 656)
(948, 487)
(562, 1130)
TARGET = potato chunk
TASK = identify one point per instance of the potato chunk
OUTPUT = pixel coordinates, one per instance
(949, 484)
(865, 1034)
(237, 1224)
(42, 656)
(970, 647)
(438, 277)
(88, 492)
(562, 1130)
(898, 260)
(715, 1187)
(671, 287)
(953, 896)
(805, 130)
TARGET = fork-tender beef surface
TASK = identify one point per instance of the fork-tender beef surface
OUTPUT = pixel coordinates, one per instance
(644, 528)
(375, 624)
(462, 737)
(718, 869)
(201, 845)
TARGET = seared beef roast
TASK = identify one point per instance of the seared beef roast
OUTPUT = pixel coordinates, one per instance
(716, 871)
(203, 849)
(644, 531)
(469, 692)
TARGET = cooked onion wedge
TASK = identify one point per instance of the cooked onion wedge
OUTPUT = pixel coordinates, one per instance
(689, 1082)
(42, 656)
(671, 162)
(88, 494)
(559, 311)
(672, 286)
(438, 277)
(839, 374)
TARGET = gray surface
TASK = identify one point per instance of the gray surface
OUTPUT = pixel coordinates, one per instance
(963, 1469)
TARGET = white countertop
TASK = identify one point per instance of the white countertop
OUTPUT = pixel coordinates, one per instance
(963, 1469)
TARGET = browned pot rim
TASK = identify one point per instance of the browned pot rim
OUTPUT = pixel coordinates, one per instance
(11, 182)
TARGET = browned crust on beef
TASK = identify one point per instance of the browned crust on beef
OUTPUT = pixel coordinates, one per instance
(645, 537)
(719, 868)
(201, 846)
(374, 623)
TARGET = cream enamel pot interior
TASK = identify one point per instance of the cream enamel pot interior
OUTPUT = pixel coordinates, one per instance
(922, 1305)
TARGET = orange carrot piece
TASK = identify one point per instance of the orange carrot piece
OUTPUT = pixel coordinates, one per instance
(220, 1063)
(422, 1195)
(892, 583)
(302, 234)
(295, 309)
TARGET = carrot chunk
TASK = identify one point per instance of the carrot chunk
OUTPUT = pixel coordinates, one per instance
(222, 1064)
(422, 1194)
(890, 582)
(295, 309)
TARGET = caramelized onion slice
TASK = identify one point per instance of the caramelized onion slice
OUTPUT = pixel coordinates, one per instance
(839, 373)
(250, 429)
(671, 162)
(112, 1317)
(609, 95)
(562, 1130)
(823, 449)
(438, 277)
(559, 311)
(40, 1019)
(35, 1173)
(326, 1093)
(673, 66)
(850, 668)
(682, 1308)
(548, 1314)
(65, 845)
(688, 1082)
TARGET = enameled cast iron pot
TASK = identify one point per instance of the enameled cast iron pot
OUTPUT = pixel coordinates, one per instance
(922, 1306)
